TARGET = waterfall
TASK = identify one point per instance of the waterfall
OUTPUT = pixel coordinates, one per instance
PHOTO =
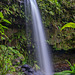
(39, 36)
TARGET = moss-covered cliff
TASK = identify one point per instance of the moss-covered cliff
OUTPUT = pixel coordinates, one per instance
(55, 14)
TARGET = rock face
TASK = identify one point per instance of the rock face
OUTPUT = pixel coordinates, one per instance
(30, 71)
(27, 69)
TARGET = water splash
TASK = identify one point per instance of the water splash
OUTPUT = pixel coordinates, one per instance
(39, 37)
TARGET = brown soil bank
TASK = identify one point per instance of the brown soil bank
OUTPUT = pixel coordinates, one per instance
(59, 58)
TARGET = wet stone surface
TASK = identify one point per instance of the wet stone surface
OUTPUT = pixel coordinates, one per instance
(30, 71)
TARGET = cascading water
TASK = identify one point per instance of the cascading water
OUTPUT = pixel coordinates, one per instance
(39, 37)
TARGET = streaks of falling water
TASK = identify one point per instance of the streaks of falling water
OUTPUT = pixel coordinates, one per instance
(39, 36)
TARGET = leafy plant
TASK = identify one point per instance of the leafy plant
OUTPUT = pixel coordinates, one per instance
(2, 19)
(71, 24)
(71, 67)
(7, 55)
(2, 27)
(67, 71)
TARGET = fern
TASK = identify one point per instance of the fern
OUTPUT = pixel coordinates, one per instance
(71, 24)
(2, 28)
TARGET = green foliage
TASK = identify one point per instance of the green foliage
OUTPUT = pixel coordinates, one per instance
(24, 45)
(36, 67)
(6, 21)
(7, 52)
(63, 73)
(71, 24)
(50, 9)
(7, 55)
(2, 27)
(13, 11)
(21, 46)
(1, 15)
(71, 67)
(67, 71)
(2, 18)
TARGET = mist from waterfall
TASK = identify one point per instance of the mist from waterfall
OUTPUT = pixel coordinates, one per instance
(39, 36)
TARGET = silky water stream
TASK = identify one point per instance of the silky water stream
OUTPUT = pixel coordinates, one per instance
(45, 63)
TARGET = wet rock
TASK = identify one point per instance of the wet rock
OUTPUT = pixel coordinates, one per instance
(9, 74)
(38, 73)
(23, 69)
(27, 69)
(30, 71)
